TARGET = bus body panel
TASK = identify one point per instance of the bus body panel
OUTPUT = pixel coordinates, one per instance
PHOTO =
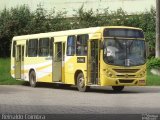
(47, 69)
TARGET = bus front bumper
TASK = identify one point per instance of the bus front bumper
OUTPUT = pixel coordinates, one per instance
(107, 81)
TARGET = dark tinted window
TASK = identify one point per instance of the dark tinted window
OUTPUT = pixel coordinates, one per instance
(71, 45)
(129, 33)
(51, 46)
(14, 48)
(26, 48)
(58, 51)
(32, 47)
(81, 45)
(43, 46)
(22, 53)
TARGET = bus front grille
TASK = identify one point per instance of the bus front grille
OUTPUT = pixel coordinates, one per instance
(126, 76)
(126, 70)
(126, 81)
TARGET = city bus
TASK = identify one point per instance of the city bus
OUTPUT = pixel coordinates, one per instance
(97, 56)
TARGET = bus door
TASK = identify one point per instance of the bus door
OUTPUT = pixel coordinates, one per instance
(93, 62)
(19, 62)
(58, 59)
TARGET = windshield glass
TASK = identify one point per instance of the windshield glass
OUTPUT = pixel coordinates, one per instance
(124, 52)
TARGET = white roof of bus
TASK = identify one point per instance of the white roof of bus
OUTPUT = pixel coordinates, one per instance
(67, 32)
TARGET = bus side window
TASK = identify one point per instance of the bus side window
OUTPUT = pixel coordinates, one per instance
(81, 46)
(71, 45)
(43, 47)
(26, 48)
(14, 49)
(32, 47)
(51, 46)
(22, 53)
(18, 53)
(58, 51)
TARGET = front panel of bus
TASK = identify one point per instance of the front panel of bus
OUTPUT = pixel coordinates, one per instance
(123, 58)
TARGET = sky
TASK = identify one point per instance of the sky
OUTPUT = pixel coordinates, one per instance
(130, 6)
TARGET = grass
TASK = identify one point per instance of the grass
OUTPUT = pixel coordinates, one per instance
(6, 79)
(152, 79)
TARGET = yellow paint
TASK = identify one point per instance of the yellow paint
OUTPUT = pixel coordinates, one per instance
(47, 78)
(70, 66)
(43, 67)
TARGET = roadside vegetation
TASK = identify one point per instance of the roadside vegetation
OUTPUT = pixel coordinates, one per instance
(5, 77)
(152, 79)
(153, 63)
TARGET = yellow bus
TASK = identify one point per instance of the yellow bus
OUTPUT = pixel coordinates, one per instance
(97, 56)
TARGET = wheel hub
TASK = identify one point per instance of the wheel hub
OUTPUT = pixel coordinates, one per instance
(81, 82)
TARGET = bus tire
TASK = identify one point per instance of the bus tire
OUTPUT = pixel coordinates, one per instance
(32, 79)
(81, 83)
(117, 88)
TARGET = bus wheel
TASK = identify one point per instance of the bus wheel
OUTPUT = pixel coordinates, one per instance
(32, 79)
(81, 83)
(117, 88)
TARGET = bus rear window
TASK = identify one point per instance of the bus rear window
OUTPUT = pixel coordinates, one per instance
(123, 32)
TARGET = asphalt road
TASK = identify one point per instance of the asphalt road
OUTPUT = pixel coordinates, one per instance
(45, 99)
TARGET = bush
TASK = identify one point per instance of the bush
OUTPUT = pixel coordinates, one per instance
(153, 63)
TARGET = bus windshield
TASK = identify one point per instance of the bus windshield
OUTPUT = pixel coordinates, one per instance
(124, 52)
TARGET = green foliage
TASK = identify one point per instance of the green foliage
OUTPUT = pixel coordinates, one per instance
(12, 22)
(21, 20)
(148, 24)
(5, 77)
(153, 63)
(152, 79)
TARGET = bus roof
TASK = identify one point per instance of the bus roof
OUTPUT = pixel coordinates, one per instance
(68, 32)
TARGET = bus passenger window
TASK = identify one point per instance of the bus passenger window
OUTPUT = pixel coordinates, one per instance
(71, 45)
(58, 51)
(81, 48)
(32, 47)
(18, 53)
(26, 48)
(51, 46)
(43, 46)
(22, 53)
(14, 48)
